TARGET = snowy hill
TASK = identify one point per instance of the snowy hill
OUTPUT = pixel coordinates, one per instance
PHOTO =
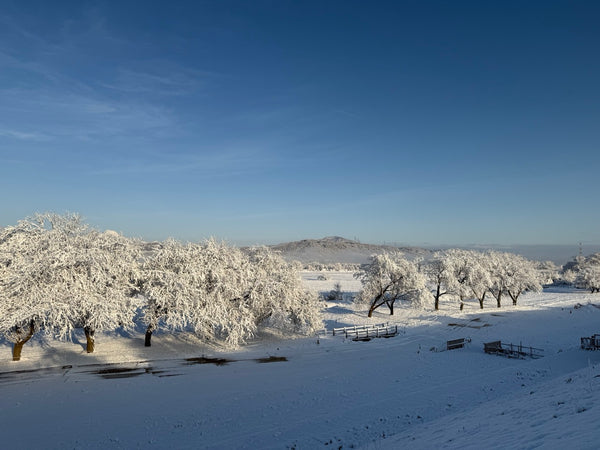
(335, 249)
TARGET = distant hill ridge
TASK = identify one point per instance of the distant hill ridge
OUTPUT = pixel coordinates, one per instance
(336, 249)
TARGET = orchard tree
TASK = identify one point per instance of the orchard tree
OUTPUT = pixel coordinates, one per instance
(478, 277)
(387, 278)
(548, 271)
(94, 282)
(588, 276)
(499, 265)
(220, 314)
(275, 295)
(466, 276)
(439, 273)
(59, 275)
(512, 274)
(186, 286)
(523, 276)
(22, 314)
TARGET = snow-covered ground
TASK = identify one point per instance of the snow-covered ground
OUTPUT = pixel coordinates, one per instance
(325, 392)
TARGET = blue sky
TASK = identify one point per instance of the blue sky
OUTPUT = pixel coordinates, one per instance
(267, 121)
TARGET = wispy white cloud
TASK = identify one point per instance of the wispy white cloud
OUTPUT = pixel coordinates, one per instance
(123, 97)
(57, 114)
(24, 135)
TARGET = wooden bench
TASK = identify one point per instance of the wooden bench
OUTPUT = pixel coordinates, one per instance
(493, 347)
(456, 343)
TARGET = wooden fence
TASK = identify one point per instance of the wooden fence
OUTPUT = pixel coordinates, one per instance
(591, 343)
(512, 350)
(367, 332)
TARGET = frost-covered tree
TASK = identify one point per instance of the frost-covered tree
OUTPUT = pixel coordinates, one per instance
(95, 279)
(187, 286)
(588, 276)
(223, 294)
(469, 275)
(523, 276)
(548, 271)
(387, 278)
(59, 274)
(275, 294)
(499, 265)
(512, 274)
(21, 314)
(459, 262)
(478, 275)
(439, 273)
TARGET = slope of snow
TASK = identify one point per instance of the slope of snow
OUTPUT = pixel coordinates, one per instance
(336, 249)
(321, 392)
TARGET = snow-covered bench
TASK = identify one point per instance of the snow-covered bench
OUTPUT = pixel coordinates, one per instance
(457, 343)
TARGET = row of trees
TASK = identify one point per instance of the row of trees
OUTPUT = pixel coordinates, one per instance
(57, 275)
(457, 274)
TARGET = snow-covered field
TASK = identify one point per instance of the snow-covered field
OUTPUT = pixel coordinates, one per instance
(325, 392)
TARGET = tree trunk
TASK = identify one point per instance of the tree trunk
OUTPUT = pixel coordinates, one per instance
(514, 297)
(481, 299)
(89, 336)
(18, 346)
(391, 306)
(371, 309)
(437, 298)
(498, 298)
(148, 336)
(374, 305)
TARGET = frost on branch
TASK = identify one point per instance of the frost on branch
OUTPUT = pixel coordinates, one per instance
(58, 274)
